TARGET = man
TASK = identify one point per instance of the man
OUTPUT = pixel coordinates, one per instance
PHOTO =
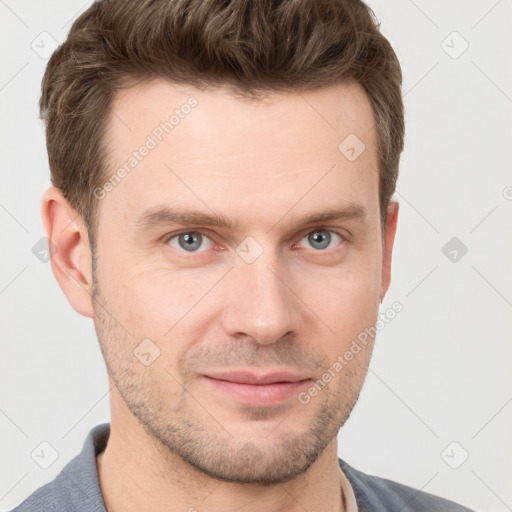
(221, 208)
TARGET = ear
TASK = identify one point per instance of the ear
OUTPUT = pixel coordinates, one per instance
(389, 239)
(70, 254)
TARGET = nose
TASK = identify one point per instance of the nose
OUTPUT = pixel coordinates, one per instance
(260, 302)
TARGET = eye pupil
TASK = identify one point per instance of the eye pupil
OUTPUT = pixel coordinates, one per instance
(320, 237)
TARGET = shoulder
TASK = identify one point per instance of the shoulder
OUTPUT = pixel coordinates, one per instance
(380, 494)
(43, 499)
(76, 487)
(64, 492)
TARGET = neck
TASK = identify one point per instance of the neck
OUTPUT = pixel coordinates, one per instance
(137, 473)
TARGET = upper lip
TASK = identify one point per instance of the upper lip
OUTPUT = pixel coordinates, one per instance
(248, 377)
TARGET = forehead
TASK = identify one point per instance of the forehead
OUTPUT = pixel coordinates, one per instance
(210, 150)
(152, 106)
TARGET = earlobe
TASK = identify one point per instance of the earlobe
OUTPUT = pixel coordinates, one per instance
(70, 253)
(387, 251)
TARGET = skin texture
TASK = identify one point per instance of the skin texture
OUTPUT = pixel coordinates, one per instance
(176, 440)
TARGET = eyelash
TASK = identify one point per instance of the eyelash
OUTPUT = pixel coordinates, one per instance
(302, 235)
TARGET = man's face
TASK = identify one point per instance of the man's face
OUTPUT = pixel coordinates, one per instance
(267, 298)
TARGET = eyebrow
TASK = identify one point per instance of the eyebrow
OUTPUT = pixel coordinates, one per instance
(164, 215)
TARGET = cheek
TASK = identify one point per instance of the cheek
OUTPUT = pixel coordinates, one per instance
(171, 308)
(153, 308)
(346, 300)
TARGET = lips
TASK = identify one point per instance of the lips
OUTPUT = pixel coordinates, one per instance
(257, 388)
(244, 377)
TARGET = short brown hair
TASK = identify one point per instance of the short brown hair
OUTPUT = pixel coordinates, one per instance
(251, 46)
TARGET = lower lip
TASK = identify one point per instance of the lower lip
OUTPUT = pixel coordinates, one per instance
(260, 394)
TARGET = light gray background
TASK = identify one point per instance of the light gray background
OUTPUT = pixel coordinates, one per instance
(441, 370)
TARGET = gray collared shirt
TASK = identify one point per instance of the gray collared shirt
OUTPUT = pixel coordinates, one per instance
(76, 488)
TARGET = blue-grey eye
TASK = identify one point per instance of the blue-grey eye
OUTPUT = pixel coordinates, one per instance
(190, 241)
(321, 238)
